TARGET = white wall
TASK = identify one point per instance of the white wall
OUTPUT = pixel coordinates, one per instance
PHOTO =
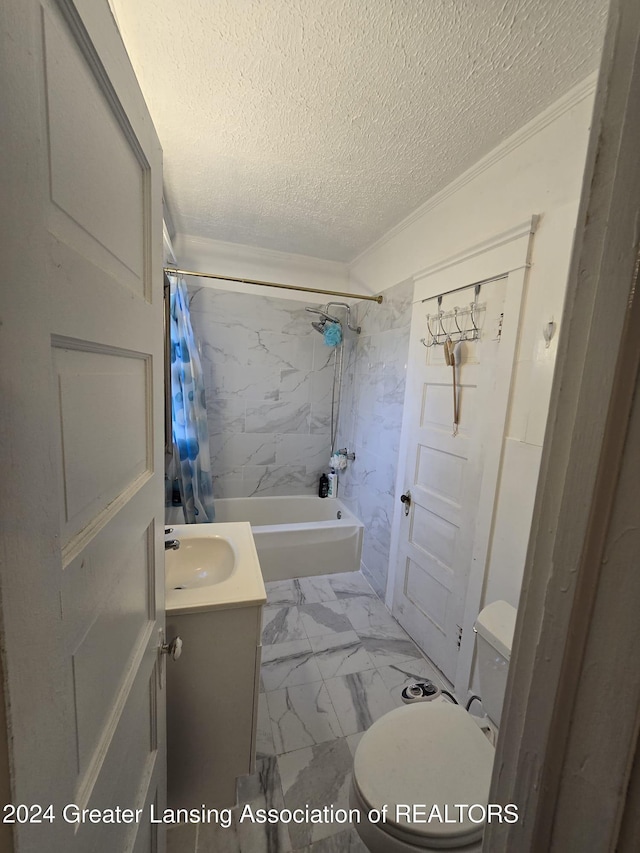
(538, 171)
(240, 261)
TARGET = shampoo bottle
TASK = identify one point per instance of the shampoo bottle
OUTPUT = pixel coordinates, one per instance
(323, 486)
(333, 484)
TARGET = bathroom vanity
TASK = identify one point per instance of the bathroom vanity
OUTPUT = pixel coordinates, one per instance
(214, 599)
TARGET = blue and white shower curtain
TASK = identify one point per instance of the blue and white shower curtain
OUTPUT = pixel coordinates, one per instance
(189, 411)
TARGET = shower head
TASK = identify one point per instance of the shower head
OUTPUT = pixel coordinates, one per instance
(319, 326)
(322, 314)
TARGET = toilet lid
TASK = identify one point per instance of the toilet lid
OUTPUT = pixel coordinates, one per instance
(432, 758)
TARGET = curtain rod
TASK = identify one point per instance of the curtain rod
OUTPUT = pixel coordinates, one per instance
(173, 271)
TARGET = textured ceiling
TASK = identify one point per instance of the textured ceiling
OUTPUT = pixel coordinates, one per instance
(313, 126)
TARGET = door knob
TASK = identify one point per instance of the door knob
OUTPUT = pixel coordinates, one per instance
(406, 500)
(173, 648)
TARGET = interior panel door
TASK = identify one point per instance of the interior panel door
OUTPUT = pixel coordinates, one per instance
(443, 473)
(82, 424)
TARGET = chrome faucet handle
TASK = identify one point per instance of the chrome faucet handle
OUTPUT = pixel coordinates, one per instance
(168, 530)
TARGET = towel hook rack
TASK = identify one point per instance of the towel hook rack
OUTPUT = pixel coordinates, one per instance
(438, 334)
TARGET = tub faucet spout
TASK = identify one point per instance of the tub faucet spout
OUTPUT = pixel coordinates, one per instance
(171, 544)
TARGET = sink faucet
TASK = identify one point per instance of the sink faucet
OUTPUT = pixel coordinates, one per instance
(170, 544)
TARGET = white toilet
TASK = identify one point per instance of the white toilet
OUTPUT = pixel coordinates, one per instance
(434, 754)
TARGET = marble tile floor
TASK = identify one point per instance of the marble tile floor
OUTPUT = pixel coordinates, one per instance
(333, 661)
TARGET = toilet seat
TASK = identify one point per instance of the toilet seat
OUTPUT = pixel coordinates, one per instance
(427, 754)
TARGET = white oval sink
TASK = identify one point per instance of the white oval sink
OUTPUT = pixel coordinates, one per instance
(201, 561)
(215, 567)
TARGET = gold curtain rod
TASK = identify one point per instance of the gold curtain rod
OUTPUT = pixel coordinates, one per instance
(377, 299)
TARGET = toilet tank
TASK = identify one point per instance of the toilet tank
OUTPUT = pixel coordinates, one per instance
(494, 635)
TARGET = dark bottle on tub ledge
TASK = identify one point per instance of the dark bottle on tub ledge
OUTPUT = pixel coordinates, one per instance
(323, 486)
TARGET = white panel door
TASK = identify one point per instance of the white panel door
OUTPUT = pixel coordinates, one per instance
(443, 472)
(82, 427)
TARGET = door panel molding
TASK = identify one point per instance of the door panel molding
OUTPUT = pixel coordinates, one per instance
(81, 575)
(92, 58)
(492, 258)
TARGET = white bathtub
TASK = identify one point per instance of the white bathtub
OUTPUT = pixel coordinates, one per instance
(298, 536)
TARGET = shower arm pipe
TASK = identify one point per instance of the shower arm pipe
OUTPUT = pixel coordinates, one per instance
(357, 329)
(172, 271)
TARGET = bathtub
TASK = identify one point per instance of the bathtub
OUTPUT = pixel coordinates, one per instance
(298, 536)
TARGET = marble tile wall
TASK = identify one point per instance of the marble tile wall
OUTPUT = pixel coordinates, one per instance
(268, 378)
(371, 419)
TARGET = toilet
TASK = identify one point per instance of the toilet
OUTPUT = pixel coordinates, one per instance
(423, 761)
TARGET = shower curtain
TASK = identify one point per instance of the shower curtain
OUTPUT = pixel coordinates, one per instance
(189, 412)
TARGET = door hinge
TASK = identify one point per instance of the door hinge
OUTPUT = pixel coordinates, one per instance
(459, 635)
